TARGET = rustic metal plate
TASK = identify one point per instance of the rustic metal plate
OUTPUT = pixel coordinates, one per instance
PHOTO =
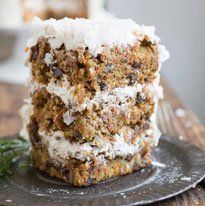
(185, 167)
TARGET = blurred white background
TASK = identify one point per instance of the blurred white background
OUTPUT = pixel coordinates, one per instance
(181, 26)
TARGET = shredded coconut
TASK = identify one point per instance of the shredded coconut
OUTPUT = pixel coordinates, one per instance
(67, 93)
(25, 112)
(158, 164)
(81, 33)
(67, 118)
(60, 148)
(48, 59)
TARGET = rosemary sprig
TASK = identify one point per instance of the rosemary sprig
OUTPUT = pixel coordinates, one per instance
(9, 150)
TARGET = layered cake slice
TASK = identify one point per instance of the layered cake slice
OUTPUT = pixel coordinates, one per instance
(94, 90)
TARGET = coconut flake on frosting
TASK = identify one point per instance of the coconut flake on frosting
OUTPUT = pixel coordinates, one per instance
(91, 33)
(61, 149)
(67, 93)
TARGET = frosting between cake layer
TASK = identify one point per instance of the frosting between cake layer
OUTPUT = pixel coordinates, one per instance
(61, 149)
(118, 94)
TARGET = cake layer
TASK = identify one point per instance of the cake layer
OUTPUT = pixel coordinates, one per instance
(77, 98)
(99, 118)
(124, 144)
(85, 173)
(112, 68)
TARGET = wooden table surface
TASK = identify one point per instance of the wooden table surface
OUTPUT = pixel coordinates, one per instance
(185, 125)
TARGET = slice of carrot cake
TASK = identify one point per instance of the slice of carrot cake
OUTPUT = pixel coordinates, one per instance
(94, 90)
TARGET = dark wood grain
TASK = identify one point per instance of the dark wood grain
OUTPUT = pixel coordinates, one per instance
(187, 127)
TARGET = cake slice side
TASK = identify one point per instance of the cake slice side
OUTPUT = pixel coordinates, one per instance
(93, 98)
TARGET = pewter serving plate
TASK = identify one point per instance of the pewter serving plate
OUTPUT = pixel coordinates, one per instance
(185, 167)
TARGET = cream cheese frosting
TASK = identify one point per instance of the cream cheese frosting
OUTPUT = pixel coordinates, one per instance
(81, 33)
(66, 92)
(61, 149)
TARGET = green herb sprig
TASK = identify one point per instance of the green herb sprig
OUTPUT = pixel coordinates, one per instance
(9, 150)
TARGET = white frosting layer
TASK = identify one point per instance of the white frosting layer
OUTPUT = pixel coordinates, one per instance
(93, 34)
(61, 149)
(119, 94)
